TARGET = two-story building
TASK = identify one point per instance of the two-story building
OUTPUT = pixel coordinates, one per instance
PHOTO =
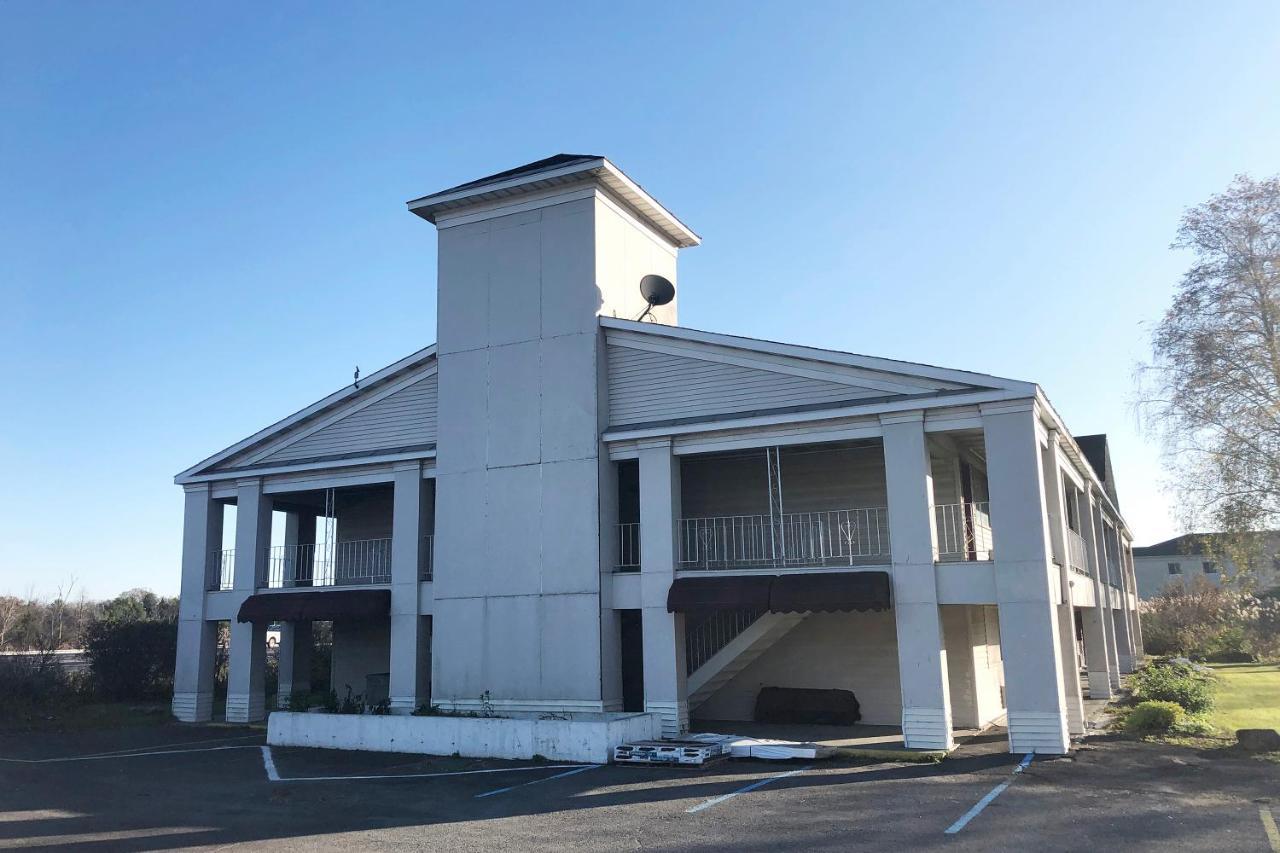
(556, 508)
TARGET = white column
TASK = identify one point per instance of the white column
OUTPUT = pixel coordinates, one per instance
(1135, 615)
(665, 691)
(1120, 599)
(922, 656)
(246, 667)
(197, 638)
(1097, 648)
(1027, 583)
(408, 686)
(293, 657)
(1055, 496)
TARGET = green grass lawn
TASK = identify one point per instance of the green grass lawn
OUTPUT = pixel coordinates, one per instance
(1248, 696)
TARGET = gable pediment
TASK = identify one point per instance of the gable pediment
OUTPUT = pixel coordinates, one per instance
(660, 375)
(393, 411)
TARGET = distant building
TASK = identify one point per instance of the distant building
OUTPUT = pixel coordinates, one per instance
(1182, 559)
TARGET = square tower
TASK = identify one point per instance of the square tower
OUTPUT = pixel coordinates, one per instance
(528, 259)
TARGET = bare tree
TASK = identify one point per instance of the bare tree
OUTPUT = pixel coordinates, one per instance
(10, 613)
(1212, 390)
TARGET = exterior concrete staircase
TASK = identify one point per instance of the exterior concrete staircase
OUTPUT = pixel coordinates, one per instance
(737, 654)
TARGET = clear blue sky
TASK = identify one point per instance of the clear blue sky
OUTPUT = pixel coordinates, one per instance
(202, 225)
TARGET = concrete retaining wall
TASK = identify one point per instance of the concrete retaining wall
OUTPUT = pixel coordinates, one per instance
(588, 738)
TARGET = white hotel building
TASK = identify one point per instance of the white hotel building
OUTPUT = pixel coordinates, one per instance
(556, 508)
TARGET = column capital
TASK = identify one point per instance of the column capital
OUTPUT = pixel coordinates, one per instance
(408, 465)
(195, 488)
(915, 416)
(249, 483)
(1007, 407)
(657, 443)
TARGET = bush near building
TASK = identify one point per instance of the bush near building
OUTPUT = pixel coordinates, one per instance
(1185, 685)
(1154, 717)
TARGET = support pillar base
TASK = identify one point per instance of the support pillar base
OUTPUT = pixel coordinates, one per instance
(675, 717)
(246, 708)
(1044, 733)
(927, 728)
(193, 707)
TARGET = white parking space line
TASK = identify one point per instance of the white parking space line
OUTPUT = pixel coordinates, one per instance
(160, 746)
(573, 772)
(759, 783)
(986, 801)
(122, 756)
(273, 773)
(1269, 826)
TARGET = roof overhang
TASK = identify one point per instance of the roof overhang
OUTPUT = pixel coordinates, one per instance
(587, 170)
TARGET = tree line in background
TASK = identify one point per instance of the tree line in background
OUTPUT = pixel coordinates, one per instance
(130, 643)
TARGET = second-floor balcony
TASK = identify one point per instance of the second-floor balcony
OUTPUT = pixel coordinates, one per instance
(1076, 559)
(963, 532)
(363, 561)
(830, 538)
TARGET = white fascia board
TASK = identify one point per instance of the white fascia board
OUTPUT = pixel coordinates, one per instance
(728, 422)
(349, 391)
(887, 365)
(429, 206)
(432, 207)
(328, 465)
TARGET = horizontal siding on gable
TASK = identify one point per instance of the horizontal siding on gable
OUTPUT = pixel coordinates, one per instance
(647, 386)
(407, 417)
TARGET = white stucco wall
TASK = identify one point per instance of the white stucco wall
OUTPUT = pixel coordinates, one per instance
(849, 651)
(359, 649)
(974, 670)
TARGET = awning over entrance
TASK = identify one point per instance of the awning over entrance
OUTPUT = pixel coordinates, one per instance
(817, 591)
(315, 606)
(742, 592)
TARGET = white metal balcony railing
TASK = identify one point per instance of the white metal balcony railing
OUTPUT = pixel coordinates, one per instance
(427, 558)
(364, 561)
(843, 537)
(1076, 560)
(220, 571)
(963, 531)
(628, 547)
(709, 636)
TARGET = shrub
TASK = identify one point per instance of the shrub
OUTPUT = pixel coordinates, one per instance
(132, 660)
(35, 685)
(1179, 683)
(1153, 717)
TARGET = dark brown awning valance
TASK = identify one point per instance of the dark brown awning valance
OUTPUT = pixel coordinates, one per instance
(831, 593)
(320, 606)
(818, 592)
(740, 592)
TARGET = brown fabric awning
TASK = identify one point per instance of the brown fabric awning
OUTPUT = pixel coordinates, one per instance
(740, 592)
(818, 592)
(320, 606)
(830, 593)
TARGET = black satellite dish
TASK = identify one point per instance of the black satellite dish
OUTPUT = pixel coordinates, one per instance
(656, 290)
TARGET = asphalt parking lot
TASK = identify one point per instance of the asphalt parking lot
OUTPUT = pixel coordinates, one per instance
(170, 787)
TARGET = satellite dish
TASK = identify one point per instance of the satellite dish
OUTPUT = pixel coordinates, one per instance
(656, 290)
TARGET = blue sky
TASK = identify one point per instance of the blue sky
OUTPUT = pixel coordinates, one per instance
(202, 225)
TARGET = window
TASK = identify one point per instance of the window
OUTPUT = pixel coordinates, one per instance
(1175, 568)
(1209, 567)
